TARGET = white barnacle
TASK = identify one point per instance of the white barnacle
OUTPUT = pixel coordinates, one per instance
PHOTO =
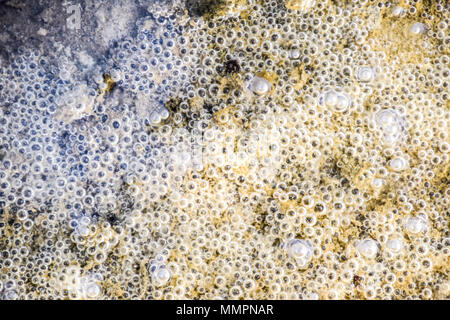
(415, 225)
(398, 164)
(330, 98)
(337, 101)
(300, 250)
(92, 290)
(395, 245)
(377, 183)
(294, 54)
(155, 117)
(365, 74)
(159, 273)
(163, 113)
(417, 28)
(10, 295)
(368, 248)
(88, 287)
(343, 102)
(388, 121)
(158, 114)
(397, 11)
(259, 86)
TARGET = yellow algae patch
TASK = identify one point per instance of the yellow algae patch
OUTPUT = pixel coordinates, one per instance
(288, 204)
(113, 289)
(299, 77)
(269, 76)
(196, 103)
(110, 84)
(209, 9)
(226, 6)
(301, 5)
(392, 36)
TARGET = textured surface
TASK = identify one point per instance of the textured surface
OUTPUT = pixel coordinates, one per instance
(227, 149)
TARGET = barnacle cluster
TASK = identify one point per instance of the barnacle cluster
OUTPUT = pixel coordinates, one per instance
(235, 149)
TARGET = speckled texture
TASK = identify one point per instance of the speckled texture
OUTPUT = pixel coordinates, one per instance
(251, 149)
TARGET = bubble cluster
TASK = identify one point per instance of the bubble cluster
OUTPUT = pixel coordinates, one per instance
(336, 101)
(390, 124)
(248, 150)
